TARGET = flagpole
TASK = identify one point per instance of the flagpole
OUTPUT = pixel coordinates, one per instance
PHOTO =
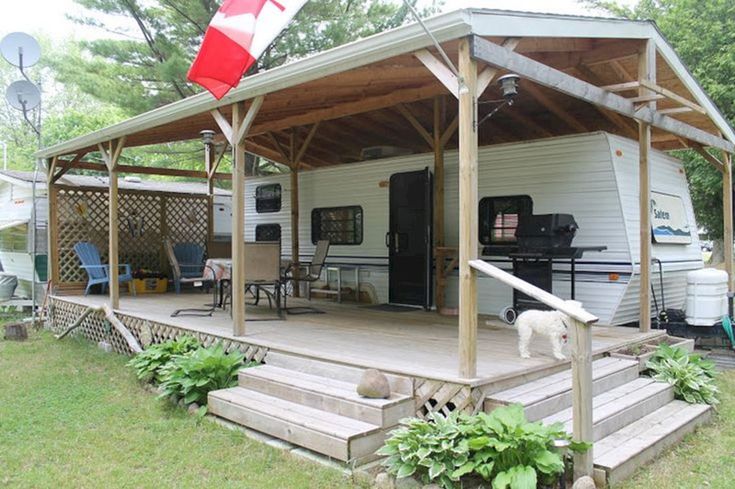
(433, 39)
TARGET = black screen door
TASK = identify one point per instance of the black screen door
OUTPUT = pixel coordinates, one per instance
(409, 239)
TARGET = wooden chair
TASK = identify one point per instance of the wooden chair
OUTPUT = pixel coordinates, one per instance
(308, 273)
(195, 281)
(97, 272)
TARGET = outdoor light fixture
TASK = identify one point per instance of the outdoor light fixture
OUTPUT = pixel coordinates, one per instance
(509, 89)
(207, 136)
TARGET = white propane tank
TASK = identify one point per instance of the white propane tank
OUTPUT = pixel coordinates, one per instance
(706, 296)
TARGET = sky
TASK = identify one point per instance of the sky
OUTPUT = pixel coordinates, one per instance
(48, 17)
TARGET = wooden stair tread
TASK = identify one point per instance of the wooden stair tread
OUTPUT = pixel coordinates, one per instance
(334, 425)
(558, 383)
(628, 442)
(615, 401)
(319, 384)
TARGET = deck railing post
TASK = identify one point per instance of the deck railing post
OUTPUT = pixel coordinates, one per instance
(727, 214)
(581, 336)
(467, 212)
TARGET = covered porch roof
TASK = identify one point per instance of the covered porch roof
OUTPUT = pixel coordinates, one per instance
(381, 90)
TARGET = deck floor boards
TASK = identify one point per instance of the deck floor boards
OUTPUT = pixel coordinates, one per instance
(415, 343)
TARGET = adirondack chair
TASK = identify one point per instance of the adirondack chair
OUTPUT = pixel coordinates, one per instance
(190, 260)
(97, 272)
(198, 281)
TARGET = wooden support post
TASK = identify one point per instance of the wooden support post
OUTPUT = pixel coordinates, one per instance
(727, 215)
(467, 212)
(582, 427)
(53, 230)
(439, 298)
(111, 155)
(238, 226)
(646, 72)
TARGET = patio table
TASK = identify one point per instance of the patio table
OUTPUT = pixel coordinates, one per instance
(222, 268)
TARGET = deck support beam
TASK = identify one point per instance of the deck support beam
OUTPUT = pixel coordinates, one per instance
(209, 158)
(438, 203)
(646, 74)
(467, 211)
(111, 155)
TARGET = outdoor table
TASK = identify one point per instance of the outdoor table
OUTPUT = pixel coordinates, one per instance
(222, 268)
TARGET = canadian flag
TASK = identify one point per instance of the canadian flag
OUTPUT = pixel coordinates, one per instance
(236, 37)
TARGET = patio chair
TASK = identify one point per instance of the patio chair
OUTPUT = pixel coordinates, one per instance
(97, 272)
(190, 257)
(199, 281)
(262, 273)
(307, 273)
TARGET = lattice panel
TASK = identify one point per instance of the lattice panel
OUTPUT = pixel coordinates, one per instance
(145, 219)
(62, 314)
(444, 397)
(186, 220)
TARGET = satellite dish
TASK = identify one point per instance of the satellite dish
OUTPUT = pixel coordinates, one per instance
(20, 49)
(23, 95)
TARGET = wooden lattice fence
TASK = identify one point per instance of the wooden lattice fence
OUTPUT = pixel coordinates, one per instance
(145, 220)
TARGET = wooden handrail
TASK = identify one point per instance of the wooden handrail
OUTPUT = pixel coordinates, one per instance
(581, 348)
(539, 294)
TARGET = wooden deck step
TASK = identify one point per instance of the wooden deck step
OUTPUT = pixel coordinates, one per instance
(614, 409)
(326, 394)
(333, 435)
(332, 370)
(619, 454)
(553, 393)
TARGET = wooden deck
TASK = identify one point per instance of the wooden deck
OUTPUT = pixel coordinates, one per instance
(412, 343)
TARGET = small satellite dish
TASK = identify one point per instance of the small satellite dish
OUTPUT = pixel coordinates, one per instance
(23, 95)
(20, 49)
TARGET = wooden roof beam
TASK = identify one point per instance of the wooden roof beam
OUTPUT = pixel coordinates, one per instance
(673, 96)
(406, 112)
(554, 108)
(550, 77)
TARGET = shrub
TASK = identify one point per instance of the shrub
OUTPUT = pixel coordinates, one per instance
(690, 374)
(502, 447)
(190, 377)
(149, 362)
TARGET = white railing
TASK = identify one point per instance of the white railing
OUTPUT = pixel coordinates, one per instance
(581, 348)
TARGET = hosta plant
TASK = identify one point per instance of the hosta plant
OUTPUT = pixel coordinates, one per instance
(501, 447)
(148, 363)
(191, 377)
(692, 376)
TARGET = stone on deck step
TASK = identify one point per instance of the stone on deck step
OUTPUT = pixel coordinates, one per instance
(327, 394)
(618, 455)
(621, 406)
(550, 394)
(336, 436)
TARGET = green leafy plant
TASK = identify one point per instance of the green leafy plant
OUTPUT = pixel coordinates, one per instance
(691, 375)
(149, 362)
(502, 447)
(190, 377)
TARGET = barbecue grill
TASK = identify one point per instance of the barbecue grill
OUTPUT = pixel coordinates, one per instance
(542, 240)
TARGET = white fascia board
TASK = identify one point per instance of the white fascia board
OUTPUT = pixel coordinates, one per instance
(525, 24)
(359, 53)
(501, 23)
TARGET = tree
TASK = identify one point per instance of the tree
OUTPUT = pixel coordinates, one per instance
(703, 34)
(145, 67)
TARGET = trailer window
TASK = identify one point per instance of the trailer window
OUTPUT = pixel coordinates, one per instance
(268, 198)
(499, 218)
(339, 225)
(268, 232)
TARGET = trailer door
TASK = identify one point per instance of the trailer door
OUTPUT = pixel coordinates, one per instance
(409, 239)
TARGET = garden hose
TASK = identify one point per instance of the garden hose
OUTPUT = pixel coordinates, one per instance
(727, 326)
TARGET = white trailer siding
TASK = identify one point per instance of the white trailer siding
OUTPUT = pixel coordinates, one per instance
(581, 175)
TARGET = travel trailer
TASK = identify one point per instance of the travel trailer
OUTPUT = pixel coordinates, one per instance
(593, 177)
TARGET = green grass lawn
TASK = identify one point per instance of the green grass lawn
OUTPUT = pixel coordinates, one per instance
(73, 416)
(704, 459)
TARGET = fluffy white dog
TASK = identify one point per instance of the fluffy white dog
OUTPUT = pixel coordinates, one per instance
(553, 324)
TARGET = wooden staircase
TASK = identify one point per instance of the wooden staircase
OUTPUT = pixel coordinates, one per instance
(635, 418)
(313, 404)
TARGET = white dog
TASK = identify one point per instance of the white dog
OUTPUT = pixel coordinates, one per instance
(553, 324)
